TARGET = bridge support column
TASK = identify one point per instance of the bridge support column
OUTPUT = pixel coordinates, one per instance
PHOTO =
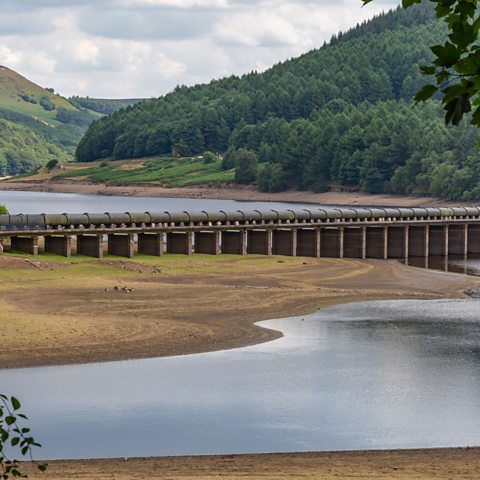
(332, 242)
(90, 245)
(285, 242)
(25, 244)
(396, 242)
(377, 242)
(121, 244)
(406, 241)
(61, 245)
(418, 239)
(150, 244)
(458, 240)
(473, 239)
(207, 242)
(308, 242)
(180, 242)
(438, 240)
(1, 246)
(353, 242)
(260, 242)
(234, 242)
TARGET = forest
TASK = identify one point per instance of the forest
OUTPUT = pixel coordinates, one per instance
(341, 115)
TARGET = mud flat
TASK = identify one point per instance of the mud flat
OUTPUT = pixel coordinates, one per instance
(60, 311)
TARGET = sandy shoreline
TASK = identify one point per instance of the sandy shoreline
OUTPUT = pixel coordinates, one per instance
(232, 192)
(421, 464)
(64, 311)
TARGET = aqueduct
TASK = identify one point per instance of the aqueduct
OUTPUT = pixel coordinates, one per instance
(314, 232)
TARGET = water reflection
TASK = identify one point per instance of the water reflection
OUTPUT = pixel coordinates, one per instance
(467, 265)
(397, 374)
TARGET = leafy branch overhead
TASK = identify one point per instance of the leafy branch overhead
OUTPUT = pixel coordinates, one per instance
(456, 65)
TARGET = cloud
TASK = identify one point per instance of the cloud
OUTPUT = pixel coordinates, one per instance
(144, 48)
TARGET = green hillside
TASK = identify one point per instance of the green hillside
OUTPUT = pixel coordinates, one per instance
(23, 96)
(21, 149)
(341, 114)
(44, 125)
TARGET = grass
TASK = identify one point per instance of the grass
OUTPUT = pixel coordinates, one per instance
(166, 171)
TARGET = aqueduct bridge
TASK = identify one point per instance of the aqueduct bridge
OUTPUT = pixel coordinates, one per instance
(314, 232)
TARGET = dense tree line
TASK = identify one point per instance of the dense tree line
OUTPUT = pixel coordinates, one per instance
(341, 113)
(101, 105)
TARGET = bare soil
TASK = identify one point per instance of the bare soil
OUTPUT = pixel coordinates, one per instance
(58, 311)
(439, 464)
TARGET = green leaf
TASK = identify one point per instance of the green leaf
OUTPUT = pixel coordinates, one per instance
(425, 93)
(427, 70)
(15, 403)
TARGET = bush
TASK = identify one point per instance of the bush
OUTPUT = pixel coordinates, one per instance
(47, 104)
(3, 209)
(53, 163)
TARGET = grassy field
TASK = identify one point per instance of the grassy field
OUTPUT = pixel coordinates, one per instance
(166, 171)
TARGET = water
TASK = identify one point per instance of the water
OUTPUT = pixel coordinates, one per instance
(468, 265)
(373, 375)
(39, 202)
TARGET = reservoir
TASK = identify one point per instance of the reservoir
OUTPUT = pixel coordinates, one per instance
(41, 202)
(372, 375)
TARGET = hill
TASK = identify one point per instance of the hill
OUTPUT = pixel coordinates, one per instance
(104, 106)
(340, 114)
(41, 125)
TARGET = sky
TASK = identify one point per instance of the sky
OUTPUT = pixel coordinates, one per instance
(144, 48)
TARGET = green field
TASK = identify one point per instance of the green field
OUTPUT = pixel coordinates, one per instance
(166, 171)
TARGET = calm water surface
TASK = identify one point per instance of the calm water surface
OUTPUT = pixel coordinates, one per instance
(39, 202)
(371, 375)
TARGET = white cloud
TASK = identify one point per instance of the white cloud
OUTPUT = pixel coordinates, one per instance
(143, 48)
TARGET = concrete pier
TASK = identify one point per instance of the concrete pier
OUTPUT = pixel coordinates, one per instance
(308, 242)
(397, 242)
(207, 242)
(61, 245)
(377, 242)
(151, 244)
(90, 245)
(260, 242)
(121, 244)
(285, 242)
(354, 243)
(180, 242)
(418, 239)
(25, 245)
(474, 239)
(438, 240)
(234, 242)
(331, 244)
(458, 240)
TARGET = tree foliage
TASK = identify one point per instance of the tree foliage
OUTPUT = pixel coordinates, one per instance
(341, 114)
(14, 435)
(456, 63)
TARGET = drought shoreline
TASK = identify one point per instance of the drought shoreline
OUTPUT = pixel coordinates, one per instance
(228, 192)
(417, 464)
(294, 286)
